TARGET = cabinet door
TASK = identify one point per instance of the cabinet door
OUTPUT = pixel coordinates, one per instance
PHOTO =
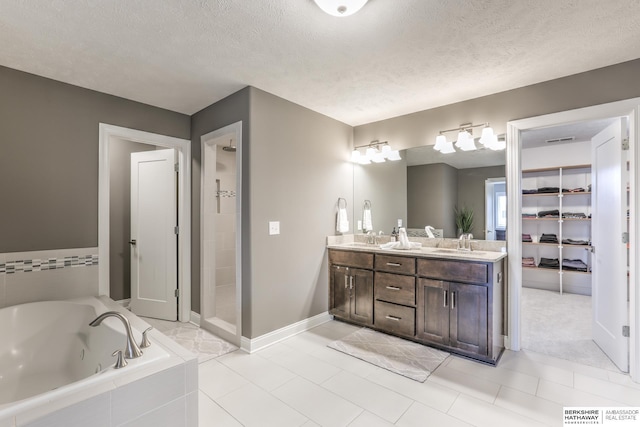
(469, 318)
(432, 314)
(361, 296)
(339, 291)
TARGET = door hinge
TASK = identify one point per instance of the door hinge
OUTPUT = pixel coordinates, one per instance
(176, 167)
(625, 331)
(176, 230)
(176, 293)
(625, 143)
(625, 237)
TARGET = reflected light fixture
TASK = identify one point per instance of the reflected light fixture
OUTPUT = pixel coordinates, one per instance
(465, 140)
(340, 8)
(376, 152)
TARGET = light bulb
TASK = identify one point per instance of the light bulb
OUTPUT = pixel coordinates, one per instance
(340, 8)
(441, 140)
(487, 136)
(355, 156)
(462, 138)
(447, 148)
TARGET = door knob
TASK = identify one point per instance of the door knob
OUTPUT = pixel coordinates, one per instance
(132, 242)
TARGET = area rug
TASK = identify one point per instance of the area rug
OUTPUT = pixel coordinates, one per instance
(402, 357)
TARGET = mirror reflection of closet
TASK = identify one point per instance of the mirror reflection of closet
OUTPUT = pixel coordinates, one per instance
(367, 222)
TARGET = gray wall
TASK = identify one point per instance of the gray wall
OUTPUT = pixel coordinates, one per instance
(49, 158)
(385, 185)
(299, 167)
(227, 111)
(432, 194)
(594, 87)
(471, 189)
(120, 216)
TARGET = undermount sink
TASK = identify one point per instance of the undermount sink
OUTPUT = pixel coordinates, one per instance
(360, 245)
(457, 251)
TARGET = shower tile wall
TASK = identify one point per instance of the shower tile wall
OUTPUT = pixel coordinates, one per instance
(225, 235)
(219, 229)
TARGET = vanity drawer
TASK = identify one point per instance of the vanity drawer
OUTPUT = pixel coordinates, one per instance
(395, 288)
(351, 258)
(395, 318)
(453, 271)
(395, 264)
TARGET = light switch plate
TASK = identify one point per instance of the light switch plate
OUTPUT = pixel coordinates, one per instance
(274, 227)
(399, 222)
(359, 225)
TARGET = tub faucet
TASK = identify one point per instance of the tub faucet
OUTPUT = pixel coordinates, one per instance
(132, 351)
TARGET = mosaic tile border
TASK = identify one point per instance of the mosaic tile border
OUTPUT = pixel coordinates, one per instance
(30, 265)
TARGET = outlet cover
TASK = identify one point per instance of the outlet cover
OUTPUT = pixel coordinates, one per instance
(359, 225)
(274, 227)
(399, 222)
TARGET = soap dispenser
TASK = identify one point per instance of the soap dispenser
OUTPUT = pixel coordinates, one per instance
(394, 235)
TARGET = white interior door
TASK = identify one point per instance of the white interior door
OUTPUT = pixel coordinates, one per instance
(609, 219)
(154, 276)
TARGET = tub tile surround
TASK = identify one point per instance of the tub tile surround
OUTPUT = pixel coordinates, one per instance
(48, 275)
(163, 393)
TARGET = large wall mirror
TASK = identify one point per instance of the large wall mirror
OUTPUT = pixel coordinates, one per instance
(427, 187)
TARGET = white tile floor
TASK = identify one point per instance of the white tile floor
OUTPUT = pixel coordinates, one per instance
(302, 382)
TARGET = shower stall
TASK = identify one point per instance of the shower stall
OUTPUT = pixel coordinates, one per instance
(220, 231)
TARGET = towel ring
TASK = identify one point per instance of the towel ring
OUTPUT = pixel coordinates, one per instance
(367, 204)
(340, 202)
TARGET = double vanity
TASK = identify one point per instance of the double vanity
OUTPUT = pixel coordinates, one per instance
(435, 295)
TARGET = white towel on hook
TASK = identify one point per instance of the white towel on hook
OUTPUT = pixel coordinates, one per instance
(367, 224)
(342, 221)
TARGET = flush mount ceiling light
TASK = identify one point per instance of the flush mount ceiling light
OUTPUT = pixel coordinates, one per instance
(466, 142)
(340, 8)
(376, 152)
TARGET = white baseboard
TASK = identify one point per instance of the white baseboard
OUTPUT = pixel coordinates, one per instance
(195, 318)
(263, 341)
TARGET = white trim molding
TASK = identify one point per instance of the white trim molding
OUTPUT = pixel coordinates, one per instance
(629, 108)
(263, 341)
(109, 134)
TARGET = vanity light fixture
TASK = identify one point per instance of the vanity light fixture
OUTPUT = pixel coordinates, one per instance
(466, 142)
(376, 152)
(340, 8)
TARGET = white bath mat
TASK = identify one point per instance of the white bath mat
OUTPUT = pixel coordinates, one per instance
(403, 357)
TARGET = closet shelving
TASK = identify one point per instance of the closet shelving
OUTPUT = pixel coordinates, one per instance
(565, 202)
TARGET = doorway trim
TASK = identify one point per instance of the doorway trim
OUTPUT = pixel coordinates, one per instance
(108, 134)
(629, 107)
(236, 130)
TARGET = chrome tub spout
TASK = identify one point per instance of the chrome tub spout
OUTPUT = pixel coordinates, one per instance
(132, 351)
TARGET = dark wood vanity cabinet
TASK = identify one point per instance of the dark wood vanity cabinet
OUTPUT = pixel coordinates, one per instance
(454, 315)
(460, 306)
(452, 304)
(351, 287)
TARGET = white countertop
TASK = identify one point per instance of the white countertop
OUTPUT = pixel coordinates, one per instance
(424, 252)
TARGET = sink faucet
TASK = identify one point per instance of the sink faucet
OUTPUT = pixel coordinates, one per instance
(464, 242)
(132, 351)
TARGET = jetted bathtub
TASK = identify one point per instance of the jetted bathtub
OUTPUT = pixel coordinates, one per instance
(48, 349)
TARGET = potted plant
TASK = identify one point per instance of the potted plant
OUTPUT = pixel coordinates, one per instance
(464, 220)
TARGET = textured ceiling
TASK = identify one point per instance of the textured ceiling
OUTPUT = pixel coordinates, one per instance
(389, 59)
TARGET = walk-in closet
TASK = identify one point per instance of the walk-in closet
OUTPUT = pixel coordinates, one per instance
(574, 206)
